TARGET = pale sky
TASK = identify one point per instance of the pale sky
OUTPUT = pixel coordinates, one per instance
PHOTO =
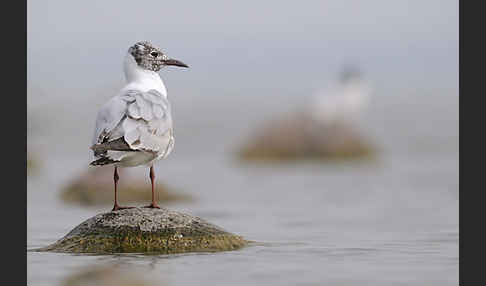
(293, 45)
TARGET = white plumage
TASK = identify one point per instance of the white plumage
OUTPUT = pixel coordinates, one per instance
(135, 127)
(341, 103)
(140, 115)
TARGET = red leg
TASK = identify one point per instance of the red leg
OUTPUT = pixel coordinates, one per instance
(152, 180)
(115, 179)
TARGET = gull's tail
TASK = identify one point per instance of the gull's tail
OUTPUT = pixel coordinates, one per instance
(102, 150)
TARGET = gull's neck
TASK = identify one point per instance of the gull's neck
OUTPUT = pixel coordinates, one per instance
(141, 79)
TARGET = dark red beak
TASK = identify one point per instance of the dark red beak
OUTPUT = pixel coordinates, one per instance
(172, 62)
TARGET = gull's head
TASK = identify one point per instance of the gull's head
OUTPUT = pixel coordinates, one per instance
(150, 57)
(350, 74)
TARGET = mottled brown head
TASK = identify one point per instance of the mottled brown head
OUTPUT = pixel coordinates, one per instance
(151, 58)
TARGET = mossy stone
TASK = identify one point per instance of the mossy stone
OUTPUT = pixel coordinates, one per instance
(145, 230)
(296, 137)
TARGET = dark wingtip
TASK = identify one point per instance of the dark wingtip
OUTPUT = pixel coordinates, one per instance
(103, 161)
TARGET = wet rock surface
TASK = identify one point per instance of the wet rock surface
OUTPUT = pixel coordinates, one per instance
(95, 187)
(296, 137)
(145, 230)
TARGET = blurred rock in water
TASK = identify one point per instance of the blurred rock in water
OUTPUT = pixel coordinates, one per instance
(96, 187)
(324, 128)
(146, 230)
(33, 164)
(108, 275)
(298, 136)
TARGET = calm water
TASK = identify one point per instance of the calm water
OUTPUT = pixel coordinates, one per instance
(390, 222)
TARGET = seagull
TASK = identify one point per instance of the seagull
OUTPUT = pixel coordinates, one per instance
(343, 102)
(134, 127)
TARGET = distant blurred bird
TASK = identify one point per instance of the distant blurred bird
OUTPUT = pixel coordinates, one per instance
(341, 103)
(135, 127)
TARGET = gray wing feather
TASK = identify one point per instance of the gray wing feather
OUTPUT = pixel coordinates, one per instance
(109, 117)
(134, 121)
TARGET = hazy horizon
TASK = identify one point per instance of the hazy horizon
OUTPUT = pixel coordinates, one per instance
(73, 46)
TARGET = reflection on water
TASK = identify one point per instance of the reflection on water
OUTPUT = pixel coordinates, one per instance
(392, 221)
(111, 274)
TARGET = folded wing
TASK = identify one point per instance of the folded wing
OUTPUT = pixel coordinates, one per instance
(134, 121)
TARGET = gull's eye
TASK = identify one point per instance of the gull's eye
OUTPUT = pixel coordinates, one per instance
(154, 54)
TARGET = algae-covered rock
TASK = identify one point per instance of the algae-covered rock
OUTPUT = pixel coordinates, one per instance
(110, 275)
(145, 230)
(33, 164)
(95, 187)
(298, 137)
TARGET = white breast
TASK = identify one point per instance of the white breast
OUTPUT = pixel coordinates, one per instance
(140, 79)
